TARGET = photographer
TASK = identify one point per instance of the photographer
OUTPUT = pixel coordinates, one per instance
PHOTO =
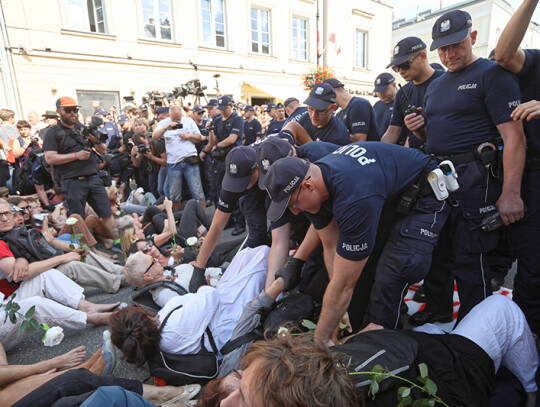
(22, 147)
(76, 154)
(180, 135)
(148, 156)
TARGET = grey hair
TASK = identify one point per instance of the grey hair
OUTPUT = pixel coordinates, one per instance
(134, 269)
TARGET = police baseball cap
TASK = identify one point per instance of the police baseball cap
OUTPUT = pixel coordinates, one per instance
(271, 150)
(211, 103)
(270, 106)
(162, 110)
(101, 112)
(382, 81)
(224, 102)
(404, 49)
(279, 106)
(249, 108)
(333, 82)
(450, 28)
(322, 95)
(239, 166)
(122, 119)
(198, 108)
(66, 101)
(144, 106)
(282, 179)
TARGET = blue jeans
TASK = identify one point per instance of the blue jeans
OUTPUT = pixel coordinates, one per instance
(193, 178)
(163, 182)
(115, 396)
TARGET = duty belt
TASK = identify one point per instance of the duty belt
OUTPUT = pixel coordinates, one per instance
(485, 157)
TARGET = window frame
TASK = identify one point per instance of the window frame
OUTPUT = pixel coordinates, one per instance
(307, 39)
(259, 31)
(365, 48)
(86, 17)
(213, 32)
(157, 26)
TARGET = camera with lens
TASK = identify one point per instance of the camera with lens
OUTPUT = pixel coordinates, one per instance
(212, 127)
(94, 130)
(177, 126)
(35, 139)
(143, 148)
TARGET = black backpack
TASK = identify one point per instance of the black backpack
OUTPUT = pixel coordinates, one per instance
(23, 180)
(29, 243)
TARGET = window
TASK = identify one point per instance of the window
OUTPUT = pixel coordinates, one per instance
(299, 38)
(360, 49)
(260, 31)
(87, 98)
(157, 19)
(86, 15)
(213, 23)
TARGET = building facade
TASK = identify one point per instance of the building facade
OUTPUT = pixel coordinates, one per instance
(254, 50)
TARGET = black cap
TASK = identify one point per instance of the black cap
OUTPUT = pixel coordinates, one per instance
(249, 108)
(198, 108)
(270, 106)
(382, 81)
(404, 49)
(162, 110)
(280, 106)
(211, 103)
(450, 28)
(271, 150)
(321, 96)
(333, 82)
(144, 106)
(123, 118)
(224, 102)
(101, 112)
(289, 101)
(282, 179)
(239, 166)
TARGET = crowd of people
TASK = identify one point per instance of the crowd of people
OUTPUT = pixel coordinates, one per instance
(436, 183)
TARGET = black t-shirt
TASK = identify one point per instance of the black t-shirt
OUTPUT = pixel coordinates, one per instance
(334, 132)
(274, 127)
(416, 95)
(529, 82)
(158, 148)
(358, 117)
(233, 125)
(252, 130)
(73, 143)
(298, 113)
(463, 108)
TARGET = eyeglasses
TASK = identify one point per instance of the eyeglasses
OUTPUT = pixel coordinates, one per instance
(6, 214)
(294, 205)
(147, 246)
(154, 261)
(71, 109)
(312, 110)
(200, 112)
(405, 65)
(24, 208)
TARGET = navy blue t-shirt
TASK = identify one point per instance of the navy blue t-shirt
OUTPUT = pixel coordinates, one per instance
(298, 113)
(359, 117)
(529, 82)
(233, 125)
(416, 94)
(252, 130)
(334, 132)
(360, 178)
(274, 127)
(383, 113)
(463, 108)
(315, 150)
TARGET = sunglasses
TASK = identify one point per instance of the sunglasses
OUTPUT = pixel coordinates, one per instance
(154, 261)
(293, 206)
(405, 65)
(147, 246)
(71, 109)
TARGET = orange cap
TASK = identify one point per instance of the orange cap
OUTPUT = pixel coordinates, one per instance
(66, 101)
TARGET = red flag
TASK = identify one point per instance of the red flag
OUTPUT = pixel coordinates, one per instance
(319, 45)
(333, 40)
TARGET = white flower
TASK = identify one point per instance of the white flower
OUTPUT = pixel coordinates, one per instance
(214, 282)
(282, 331)
(191, 241)
(71, 221)
(53, 336)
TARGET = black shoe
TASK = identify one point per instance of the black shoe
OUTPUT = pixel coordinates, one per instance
(424, 317)
(420, 295)
(238, 230)
(230, 224)
(496, 283)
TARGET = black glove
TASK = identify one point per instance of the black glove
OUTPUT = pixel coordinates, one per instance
(49, 208)
(290, 273)
(197, 279)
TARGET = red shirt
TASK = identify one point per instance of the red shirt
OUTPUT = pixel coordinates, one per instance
(4, 250)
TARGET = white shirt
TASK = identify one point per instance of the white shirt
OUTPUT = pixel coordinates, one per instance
(175, 146)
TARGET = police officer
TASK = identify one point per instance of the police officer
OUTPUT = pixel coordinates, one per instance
(525, 236)
(410, 61)
(293, 110)
(252, 127)
(356, 113)
(76, 158)
(320, 124)
(463, 127)
(343, 194)
(279, 120)
(215, 116)
(385, 89)
(114, 138)
(271, 111)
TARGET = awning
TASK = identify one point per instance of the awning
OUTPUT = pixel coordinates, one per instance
(278, 91)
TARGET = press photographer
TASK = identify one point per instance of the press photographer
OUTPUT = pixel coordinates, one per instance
(76, 153)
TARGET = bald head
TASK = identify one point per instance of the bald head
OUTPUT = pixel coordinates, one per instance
(176, 113)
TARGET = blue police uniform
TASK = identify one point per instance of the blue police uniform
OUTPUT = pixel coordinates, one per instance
(113, 135)
(334, 132)
(274, 127)
(298, 113)
(383, 113)
(476, 99)
(361, 178)
(358, 117)
(416, 94)
(526, 233)
(252, 131)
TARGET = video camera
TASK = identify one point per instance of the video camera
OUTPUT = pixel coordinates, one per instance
(94, 130)
(192, 87)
